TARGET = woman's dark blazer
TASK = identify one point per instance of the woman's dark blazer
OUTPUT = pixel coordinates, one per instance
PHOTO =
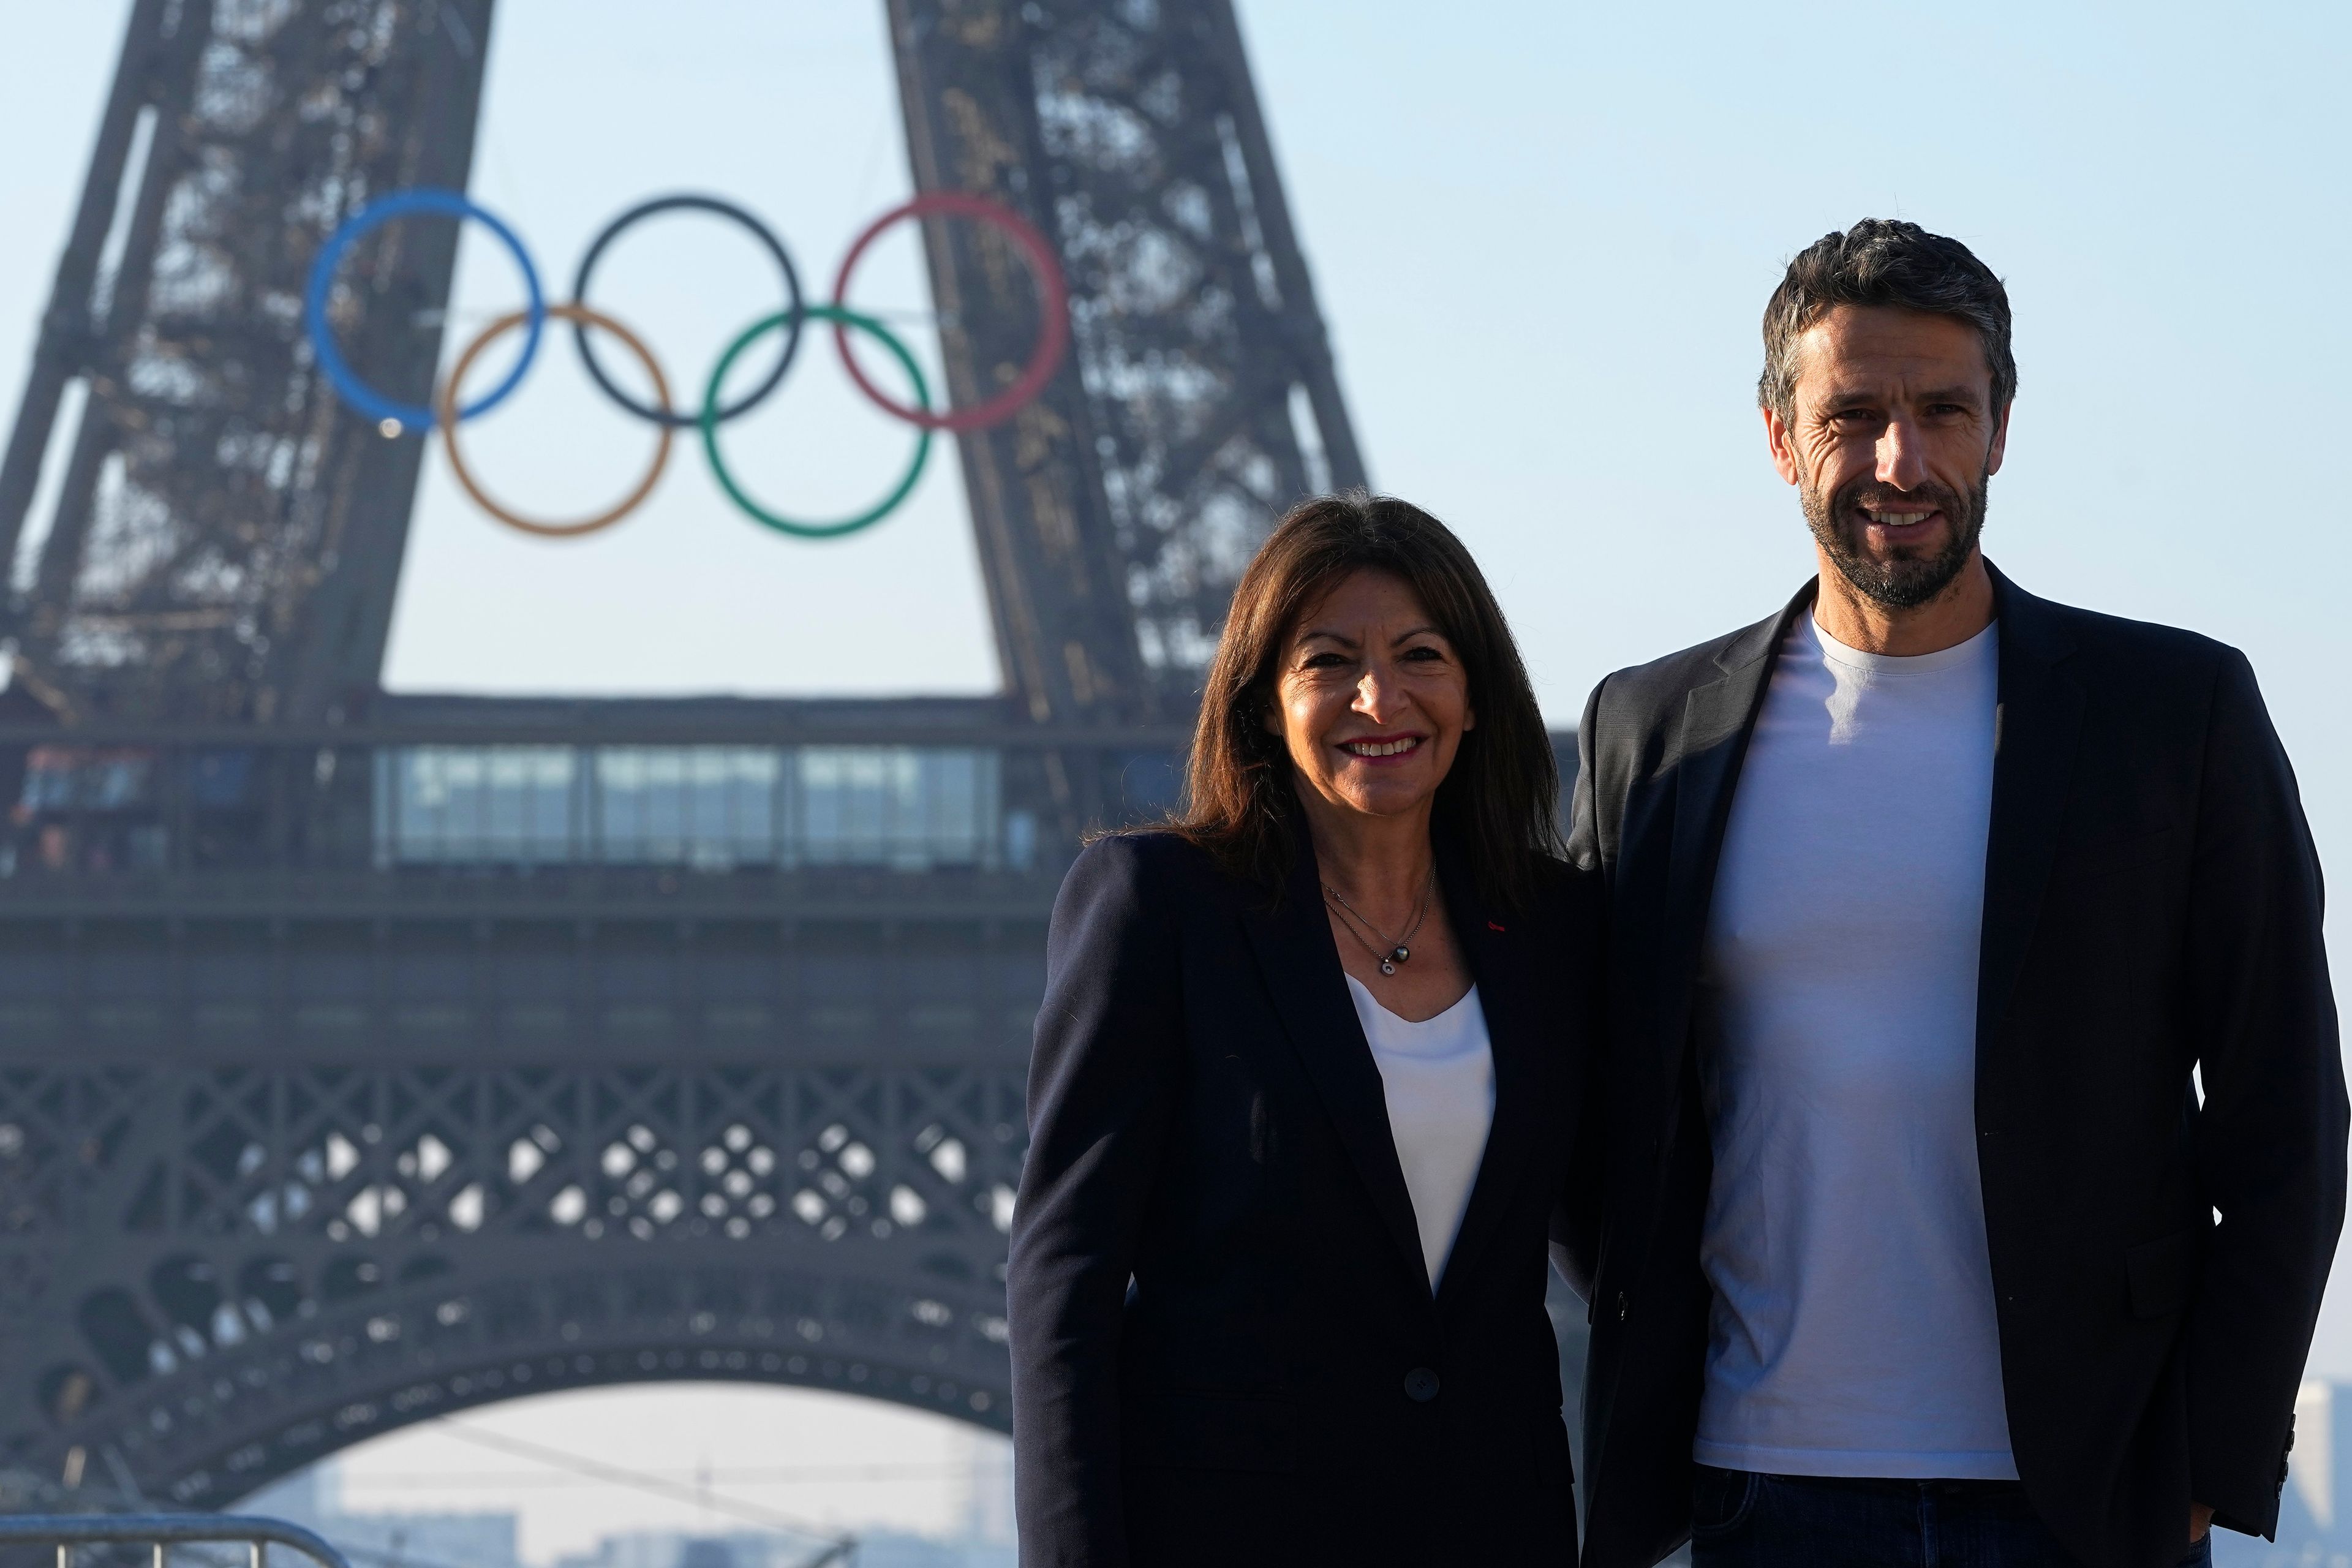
(1224, 1346)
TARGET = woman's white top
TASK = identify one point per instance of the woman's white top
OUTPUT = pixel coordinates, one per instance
(1439, 1078)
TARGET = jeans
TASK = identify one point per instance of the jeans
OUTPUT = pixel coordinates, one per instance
(1741, 1520)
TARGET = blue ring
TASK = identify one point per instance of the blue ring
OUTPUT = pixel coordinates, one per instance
(414, 418)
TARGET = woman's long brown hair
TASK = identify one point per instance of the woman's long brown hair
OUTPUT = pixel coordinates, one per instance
(1496, 806)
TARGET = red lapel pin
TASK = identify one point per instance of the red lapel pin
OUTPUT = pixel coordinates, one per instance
(1492, 926)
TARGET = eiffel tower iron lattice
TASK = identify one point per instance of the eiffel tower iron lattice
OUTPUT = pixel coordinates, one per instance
(365, 1057)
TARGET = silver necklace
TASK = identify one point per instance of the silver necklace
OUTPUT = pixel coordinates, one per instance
(1397, 951)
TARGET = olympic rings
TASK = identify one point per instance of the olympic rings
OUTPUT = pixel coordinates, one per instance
(396, 416)
(711, 415)
(760, 232)
(447, 412)
(1052, 309)
(582, 317)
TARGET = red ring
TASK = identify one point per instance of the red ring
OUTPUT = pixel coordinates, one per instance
(1054, 308)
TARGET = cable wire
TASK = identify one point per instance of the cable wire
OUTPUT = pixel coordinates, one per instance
(638, 1481)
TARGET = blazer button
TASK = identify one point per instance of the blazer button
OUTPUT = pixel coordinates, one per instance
(1420, 1385)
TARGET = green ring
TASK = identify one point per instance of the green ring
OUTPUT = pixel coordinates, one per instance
(710, 423)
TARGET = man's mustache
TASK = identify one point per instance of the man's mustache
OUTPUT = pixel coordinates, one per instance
(1927, 498)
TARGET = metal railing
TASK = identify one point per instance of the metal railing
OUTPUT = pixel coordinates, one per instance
(164, 1530)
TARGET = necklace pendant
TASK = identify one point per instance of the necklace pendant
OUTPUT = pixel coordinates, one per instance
(1387, 967)
(1401, 952)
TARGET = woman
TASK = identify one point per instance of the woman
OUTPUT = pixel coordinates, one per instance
(1300, 1101)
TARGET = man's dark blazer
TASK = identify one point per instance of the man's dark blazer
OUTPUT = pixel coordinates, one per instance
(2151, 906)
(1225, 1349)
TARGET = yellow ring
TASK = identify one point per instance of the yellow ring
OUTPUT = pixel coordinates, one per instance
(446, 402)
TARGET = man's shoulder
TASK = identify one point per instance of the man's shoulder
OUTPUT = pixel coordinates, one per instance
(2147, 651)
(1645, 691)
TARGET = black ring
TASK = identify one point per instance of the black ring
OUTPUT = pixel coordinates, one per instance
(758, 394)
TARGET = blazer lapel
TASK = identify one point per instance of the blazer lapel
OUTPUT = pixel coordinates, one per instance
(2037, 727)
(1717, 719)
(1518, 1034)
(1301, 967)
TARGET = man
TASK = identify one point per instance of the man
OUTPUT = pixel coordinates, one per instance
(1977, 1125)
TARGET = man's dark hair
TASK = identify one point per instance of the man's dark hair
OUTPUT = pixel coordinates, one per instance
(1884, 261)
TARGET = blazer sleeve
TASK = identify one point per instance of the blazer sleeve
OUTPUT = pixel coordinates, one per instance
(1102, 1086)
(1584, 848)
(1576, 1214)
(1583, 976)
(2271, 1133)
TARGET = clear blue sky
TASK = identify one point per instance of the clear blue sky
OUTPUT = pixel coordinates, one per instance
(1542, 235)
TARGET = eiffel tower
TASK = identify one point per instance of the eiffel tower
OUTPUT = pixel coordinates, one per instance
(365, 1057)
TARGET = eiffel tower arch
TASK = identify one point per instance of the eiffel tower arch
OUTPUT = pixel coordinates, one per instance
(364, 1057)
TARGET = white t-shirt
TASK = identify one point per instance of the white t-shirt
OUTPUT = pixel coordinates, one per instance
(1439, 1079)
(1853, 1329)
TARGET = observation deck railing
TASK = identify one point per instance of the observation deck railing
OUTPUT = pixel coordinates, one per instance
(472, 811)
(162, 1532)
(707, 808)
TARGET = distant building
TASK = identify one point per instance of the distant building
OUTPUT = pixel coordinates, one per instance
(680, 1548)
(311, 1498)
(988, 1501)
(2316, 1511)
(752, 1549)
(887, 1549)
(424, 1540)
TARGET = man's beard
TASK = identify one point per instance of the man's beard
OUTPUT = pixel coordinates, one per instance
(1908, 580)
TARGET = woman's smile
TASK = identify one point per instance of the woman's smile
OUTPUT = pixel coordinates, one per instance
(1381, 749)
